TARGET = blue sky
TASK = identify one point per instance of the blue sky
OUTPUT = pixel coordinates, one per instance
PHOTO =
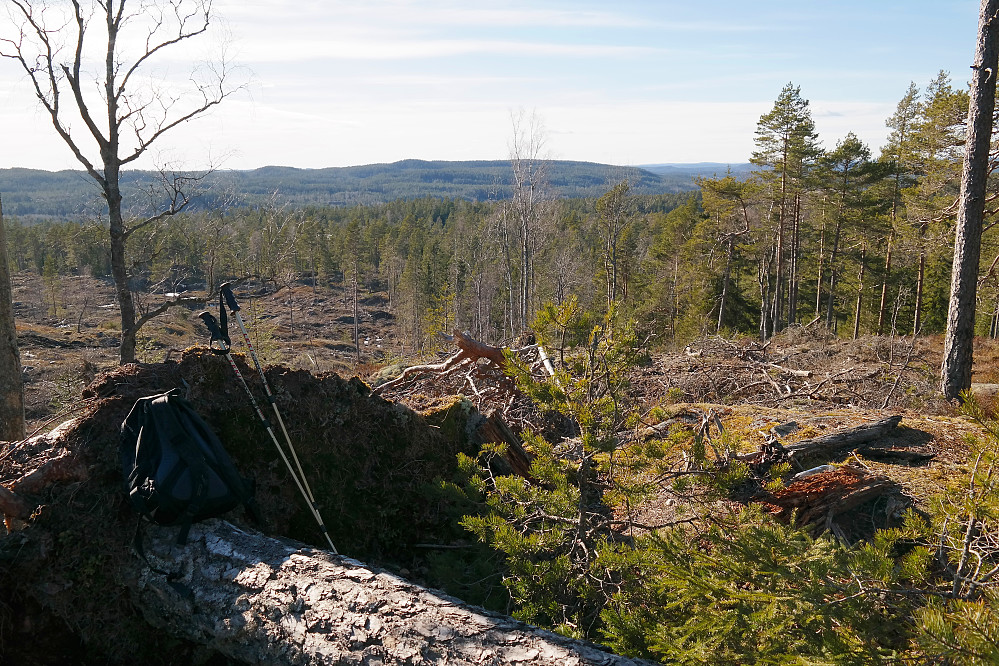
(334, 83)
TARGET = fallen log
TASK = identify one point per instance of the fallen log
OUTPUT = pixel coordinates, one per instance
(826, 445)
(263, 600)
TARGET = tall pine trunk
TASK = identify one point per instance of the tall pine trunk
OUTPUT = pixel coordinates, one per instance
(860, 294)
(793, 280)
(832, 272)
(917, 319)
(883, 306)
(958, 356)
(820, 275)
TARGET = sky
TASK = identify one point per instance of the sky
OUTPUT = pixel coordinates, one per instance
(630, 82)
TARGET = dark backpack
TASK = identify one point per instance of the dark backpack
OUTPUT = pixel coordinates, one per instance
(176, 470)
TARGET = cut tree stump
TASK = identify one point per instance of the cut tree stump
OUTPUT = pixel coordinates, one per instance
(263, 600)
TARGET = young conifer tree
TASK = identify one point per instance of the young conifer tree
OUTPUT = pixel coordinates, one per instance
(554, 529)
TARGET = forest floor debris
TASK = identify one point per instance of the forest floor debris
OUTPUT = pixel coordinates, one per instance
(801, 386)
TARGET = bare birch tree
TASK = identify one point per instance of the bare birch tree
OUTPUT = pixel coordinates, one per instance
(93, 65)
(532, 204)
(613, 216)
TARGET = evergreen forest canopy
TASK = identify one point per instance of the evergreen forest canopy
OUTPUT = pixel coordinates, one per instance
(861, 243)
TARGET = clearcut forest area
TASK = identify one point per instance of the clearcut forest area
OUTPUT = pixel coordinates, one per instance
(691, 425)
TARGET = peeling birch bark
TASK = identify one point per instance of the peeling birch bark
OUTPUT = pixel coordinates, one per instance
(263, 600)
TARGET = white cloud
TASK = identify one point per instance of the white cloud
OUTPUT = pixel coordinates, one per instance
(835, 119)
(425, 13)
(343, 82)
(298, 49)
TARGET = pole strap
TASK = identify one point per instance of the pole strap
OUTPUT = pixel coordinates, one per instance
(220, 342)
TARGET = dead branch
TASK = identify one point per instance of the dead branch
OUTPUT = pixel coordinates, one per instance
(166, 305)
(898, 377)
(791, 371)
(64, 468)
(413, 370)
(469, 350)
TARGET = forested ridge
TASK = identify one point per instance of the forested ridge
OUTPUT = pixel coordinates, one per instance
(62, 195)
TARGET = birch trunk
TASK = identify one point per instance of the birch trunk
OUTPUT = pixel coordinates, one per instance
(263, 600)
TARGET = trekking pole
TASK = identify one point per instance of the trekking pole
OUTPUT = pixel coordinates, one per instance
(223, 347)
(225, 291)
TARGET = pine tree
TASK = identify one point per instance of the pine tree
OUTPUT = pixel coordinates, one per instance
(727, 202)
(554, 528)
(786, 146)
(931, 204)
(846, 173)
(899, 157)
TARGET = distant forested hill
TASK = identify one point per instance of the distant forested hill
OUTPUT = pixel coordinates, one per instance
(71, 194)
(701, 170)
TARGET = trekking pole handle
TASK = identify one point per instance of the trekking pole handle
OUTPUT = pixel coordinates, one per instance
(226, 290)
(213, 327)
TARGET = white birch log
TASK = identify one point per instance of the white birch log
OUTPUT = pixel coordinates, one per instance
(262, 600)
